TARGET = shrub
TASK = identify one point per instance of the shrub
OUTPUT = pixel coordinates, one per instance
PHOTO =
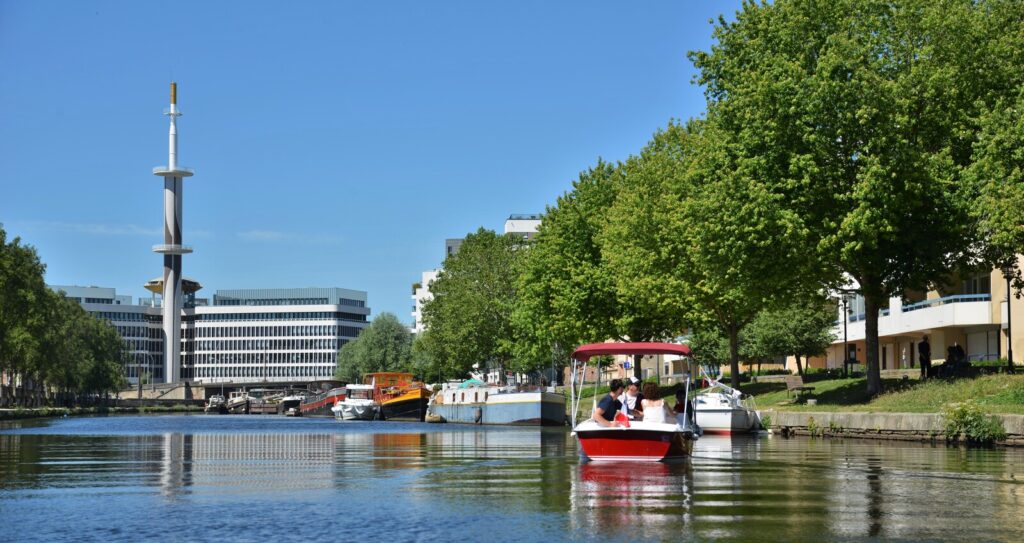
(968, 421)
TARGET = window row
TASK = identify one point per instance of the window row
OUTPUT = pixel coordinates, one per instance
(263, 344)
(305, 373)
(331, 331)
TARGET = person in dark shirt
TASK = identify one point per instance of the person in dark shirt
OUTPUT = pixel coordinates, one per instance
(606, 409)
(924, 352)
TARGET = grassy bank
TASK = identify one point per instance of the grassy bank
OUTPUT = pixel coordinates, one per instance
(1002, 394)
(43, 412)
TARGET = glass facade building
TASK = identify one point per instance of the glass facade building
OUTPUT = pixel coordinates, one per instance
(246, 336)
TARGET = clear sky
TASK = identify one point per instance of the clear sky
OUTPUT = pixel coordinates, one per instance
(334, 143)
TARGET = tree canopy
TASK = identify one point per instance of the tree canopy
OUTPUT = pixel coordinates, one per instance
(384, 345)
(859, 118)
(47, 341)
(469, 319)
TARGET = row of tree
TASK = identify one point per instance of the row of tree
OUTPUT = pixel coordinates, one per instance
(875, 142)
(50, 348)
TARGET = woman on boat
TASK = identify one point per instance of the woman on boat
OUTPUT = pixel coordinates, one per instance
(654, 410)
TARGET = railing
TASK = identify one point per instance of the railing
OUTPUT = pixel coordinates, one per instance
(956, 298)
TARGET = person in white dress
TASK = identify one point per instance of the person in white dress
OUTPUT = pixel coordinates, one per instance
(655, 409)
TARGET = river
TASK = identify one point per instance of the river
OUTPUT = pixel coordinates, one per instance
(268, 478)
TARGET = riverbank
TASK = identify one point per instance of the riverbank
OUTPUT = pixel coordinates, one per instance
(924, 427)
(46, 412)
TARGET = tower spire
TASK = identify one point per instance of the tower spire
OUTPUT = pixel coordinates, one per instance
(172, 249)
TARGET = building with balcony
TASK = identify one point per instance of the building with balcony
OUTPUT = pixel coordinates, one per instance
(971, 312)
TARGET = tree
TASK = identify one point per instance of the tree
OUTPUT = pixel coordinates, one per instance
(801, 330)
(469, 319)
(859, 116)
(997, 174)
(566, 296)
(384, 345)
(722, 247)
(642, 244)
(22, 292)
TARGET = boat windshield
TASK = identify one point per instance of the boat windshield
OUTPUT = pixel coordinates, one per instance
(361, 394)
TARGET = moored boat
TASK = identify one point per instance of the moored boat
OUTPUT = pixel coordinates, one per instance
(721, 409)
(399, 395)
(358, 404)
(216, 404)
(289, 405)
(238, 403)
(320, 404)
(629, 440)
(496, 405)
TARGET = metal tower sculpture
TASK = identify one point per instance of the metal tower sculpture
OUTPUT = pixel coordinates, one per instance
(172, 249)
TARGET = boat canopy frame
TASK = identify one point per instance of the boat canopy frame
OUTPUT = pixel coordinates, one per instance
(584, 353)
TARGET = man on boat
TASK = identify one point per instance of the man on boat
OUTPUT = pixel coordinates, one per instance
(606, 409)
(632, 400)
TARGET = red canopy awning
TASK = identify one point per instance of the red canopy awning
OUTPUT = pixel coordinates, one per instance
(585, 352)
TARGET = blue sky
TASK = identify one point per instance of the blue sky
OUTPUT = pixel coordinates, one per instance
(334, 143)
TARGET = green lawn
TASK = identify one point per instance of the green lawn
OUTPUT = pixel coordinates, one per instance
(992, 393)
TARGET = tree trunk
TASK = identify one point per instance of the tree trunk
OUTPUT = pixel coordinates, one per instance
(734, 356)
(637, 372)
(799, 367)
(871, 344)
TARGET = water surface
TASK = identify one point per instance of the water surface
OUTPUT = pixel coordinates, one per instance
(249, 478)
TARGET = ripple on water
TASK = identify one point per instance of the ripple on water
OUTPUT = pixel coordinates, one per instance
(232, 478)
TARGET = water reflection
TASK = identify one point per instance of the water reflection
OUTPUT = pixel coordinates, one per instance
(426, 481)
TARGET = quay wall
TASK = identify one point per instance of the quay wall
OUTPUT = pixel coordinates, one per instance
(893, 426)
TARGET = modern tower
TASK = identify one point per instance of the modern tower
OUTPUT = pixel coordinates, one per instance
(172, 249)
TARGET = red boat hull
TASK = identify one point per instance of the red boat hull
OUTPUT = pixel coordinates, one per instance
(634, 445)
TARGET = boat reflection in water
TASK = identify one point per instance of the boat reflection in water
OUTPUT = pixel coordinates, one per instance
(643, 498)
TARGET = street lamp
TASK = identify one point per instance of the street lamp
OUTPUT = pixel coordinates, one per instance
(1008, 272)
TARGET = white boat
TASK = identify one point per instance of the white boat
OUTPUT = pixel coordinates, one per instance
(289, 405)
(629, 440)
(358, 404)
(721, 409)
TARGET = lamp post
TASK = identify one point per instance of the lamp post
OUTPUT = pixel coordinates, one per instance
(1008, 274)
(846, 343)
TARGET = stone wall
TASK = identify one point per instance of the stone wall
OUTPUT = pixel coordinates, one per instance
(899, 426)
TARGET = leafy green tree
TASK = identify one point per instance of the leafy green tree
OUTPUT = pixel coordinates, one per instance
(469, 318)
(708, 235)
(384, 345)
(642, 242)
(998, 176)
(22, 291)
(801, 330)
(566, 295)
(859, 116)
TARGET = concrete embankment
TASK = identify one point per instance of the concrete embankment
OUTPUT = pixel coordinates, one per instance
(897, 426)
(123, 408)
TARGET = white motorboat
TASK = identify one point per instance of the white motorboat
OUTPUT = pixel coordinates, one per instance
(358, 404)
(721, 409)
(629, 440)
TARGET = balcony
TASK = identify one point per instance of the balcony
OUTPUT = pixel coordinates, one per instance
(960, 310)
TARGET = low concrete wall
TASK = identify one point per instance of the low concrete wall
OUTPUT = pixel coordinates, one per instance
(900, 426)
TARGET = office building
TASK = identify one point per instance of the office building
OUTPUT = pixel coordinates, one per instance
(247, 336)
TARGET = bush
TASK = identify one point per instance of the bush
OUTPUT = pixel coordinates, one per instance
(967, 420)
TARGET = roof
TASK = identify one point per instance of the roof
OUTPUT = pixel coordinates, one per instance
(585, 352)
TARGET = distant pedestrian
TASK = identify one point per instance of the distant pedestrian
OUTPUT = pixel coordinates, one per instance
(924, 351)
